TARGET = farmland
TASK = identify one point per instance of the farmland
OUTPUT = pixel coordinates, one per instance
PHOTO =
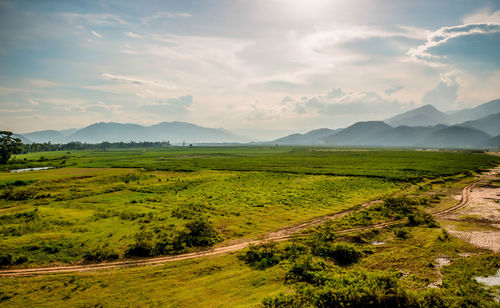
(118, 204)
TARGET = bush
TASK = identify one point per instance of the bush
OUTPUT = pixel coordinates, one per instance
(261, 256)
(100, 254)
(143, 246)
(342, 253)
(198, 233)
(401, 233)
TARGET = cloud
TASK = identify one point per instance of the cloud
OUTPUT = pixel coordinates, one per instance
(133, 35)
(137, 81)
(483, 16)
(424, 53)
(101, 107)
(393, 89)
(40, 83)
(96, 34)
(100, 19)
(165, 15)
(20, 110)
(444, 95)
(339, 103)
(174, 106)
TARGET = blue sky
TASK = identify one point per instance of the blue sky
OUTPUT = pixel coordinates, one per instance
(264, 67)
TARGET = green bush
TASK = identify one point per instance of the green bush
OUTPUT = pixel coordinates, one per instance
(100, 254)
(261, 256)
(342, 253)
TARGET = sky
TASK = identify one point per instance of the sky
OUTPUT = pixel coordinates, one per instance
(259, 68)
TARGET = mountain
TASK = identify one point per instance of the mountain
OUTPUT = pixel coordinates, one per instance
(475, 113)
(403, 136)
(166, 131)
(44, 136)
(492, 143)
(358, 134)
(426, 115)
(455, 137)
(489, 124)
(310, 138)
(68, 132)
(181, 131)
(112, 132)
(23, 138)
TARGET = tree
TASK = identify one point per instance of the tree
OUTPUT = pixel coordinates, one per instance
(8, 146)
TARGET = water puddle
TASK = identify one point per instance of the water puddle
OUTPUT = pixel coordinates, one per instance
(30, 169)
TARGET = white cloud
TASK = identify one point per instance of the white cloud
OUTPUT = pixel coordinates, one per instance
(133, 35)
(96, 34)
(483, 16)
(137, 81)
(41, 83)
(165, 15)
(20, 110)
(92, 19)
(439, 37)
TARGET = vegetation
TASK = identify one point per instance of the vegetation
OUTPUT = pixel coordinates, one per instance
(104, 205)
(8, 146)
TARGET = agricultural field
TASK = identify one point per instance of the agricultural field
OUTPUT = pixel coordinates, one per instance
(102, 206)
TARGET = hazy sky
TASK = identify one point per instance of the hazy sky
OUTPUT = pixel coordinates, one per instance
(262, 65)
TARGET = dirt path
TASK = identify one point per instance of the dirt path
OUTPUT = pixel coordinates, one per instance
(280, 235)
(482, 218)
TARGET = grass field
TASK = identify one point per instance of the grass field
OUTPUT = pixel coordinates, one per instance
(115, 204)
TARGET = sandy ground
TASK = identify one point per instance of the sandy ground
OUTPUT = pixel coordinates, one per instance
(483, 208)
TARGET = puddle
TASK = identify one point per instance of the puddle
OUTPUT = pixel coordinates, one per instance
(377, 243)
(493, 280)
(30, 169)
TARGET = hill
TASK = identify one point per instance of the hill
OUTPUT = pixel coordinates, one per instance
(475, 113)
(403, 136)
(112, 132)
(426, 115)
(358, 134)
(44, 136)
(455, 137)
(181, 131)
(492, 143)
(489, 124)
(165, 131)
(310, 138)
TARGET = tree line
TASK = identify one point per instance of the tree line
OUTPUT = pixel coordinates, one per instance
(10, 145)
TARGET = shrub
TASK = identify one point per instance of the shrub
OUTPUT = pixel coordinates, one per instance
(261, 256)
(401, 233)
(143, 245)
(99, 254)
(199, 232)
(342, 253)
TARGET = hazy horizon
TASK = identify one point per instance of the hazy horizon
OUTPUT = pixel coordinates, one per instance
(269, 67)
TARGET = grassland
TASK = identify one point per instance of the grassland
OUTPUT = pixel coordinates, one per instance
(98, 204)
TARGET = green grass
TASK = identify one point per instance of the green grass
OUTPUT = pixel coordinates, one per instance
(94, 208)
(212, 282)
(98, 201)
(389, 164)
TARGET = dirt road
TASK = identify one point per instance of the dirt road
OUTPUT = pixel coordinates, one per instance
(277, 236)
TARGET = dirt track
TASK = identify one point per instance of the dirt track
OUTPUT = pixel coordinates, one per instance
(280, 235)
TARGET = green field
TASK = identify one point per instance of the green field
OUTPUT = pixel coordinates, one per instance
(118, 204)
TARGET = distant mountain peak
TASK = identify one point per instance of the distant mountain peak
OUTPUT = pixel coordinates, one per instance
(426, 115)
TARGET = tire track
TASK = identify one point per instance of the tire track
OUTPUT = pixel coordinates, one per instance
(277, 236)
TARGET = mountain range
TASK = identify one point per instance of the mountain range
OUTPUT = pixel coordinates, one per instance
(175, 132)
(426, 126)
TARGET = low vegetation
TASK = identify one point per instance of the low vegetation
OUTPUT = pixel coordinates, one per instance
(105, 205)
